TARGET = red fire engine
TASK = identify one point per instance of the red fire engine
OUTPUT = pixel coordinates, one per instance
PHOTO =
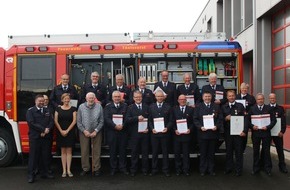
(34, 64)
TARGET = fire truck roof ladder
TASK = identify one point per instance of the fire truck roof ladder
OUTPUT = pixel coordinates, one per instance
(69, 39)
(178, 37)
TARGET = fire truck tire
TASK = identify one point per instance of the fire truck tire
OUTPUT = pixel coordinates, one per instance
(7, 148)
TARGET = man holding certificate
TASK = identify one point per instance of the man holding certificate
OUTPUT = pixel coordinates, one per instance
(160, 123)
(262, 121)
(208, 119)
(217, 91)
(116, 132)
(235, 131)
(280, 127)
(190, 90)
(183, 125)
(122, 88)
(137, 122)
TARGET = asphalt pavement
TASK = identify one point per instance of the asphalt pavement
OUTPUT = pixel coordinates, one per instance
(15, 177)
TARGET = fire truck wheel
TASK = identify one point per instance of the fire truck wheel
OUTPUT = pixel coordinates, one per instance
(7, 148)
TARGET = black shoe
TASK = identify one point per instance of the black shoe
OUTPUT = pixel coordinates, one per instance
(97, 173)
(30, 179)
(283, 170)
(202, 174)
(133, 174)
(145, 173)
(47, 176)
(83, 173)
(50, 172)
(186, 173)
(269, 173)
(178, 173)
(255, 172)
(227, 172)
(113, 172)
(237, 174)
(167, 174)
(125, 172)
(153, 173)
(212, 174)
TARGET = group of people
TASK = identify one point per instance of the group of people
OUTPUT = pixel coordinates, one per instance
(151, 120)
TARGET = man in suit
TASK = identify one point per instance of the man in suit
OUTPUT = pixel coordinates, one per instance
(40, 123)
(217, 91)
(234, 143)
(182, 139)
(64, 87)
(189, 88)
(147, 95)
(207, 135)
(97, 88)
(250, 101)
(261, 134)
(138, 112)
(160, 111)
(122, 88)
(168, 87)
(117, 132)
(278, 140)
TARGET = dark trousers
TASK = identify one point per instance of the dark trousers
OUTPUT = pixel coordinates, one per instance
(181, 147)
(39, 148)
(156, 142)
(265, 157)
(234, 146)
(280, 151)
(207, 151)
(137, 143)
(118, 145)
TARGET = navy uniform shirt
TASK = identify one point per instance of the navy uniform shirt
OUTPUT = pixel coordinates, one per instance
(170, 90)
(100, 91)
(218, 87)
(193, 89)
(58, 91)
(124, 89)
(279, 112)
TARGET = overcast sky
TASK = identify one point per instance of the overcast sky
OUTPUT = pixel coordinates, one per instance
(38, 17)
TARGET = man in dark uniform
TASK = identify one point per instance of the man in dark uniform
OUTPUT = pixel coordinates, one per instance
(160, 111)
(97, 88)
(114, 116)
(64, 87)
(217, 91)
(147, 95)
(138, 112)
(234, 143)
(278, 140)
(168, 87)
(120, 86)
(189, 89)
(40, 123)
(261, 134)
(250, 101)
(207, 135)
(182, 139)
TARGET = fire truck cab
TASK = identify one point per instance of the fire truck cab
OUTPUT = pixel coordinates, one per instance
(34, 64)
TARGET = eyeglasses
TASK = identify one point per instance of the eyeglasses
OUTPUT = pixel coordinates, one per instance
(45, 99)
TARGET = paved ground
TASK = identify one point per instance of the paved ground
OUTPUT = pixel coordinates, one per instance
(15, 178)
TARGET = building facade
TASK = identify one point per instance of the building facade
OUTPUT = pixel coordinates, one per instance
(262, 27)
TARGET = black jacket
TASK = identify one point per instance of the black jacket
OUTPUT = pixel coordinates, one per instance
(125, 90)
(170, 90)
(279, 112)
(192, 90)
(147, 97)
(100, 91)
(57, 92)
(213, 92)
(250, 100)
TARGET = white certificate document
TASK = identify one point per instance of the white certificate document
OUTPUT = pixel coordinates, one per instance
(208, 121)
(277, 128)
(190, 100)
(118, 119)
(73, 103)
(219, 95)
(181, 125)
(261, 120)
(159, 124)
(236, 125)
(143, 125)
(242, 102)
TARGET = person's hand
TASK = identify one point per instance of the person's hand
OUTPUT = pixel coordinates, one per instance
(42, 134)
(140, 118)
(203, 128)
(280, 134)
(243, 134)
(86, 133)
(164, 130)
(187, 132)
(264, 128)
(217, 102)
(228, 118)
(215, 128)
(154, 131)
(145, 131)
(46, 131)
(93, 134)
(255, 128)
(177, 132)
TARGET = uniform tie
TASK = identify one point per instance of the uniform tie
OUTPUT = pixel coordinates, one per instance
(65, 88)
(182, 109)
(186, 87)
(207, 105)
(164, 84)
(260, 108)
